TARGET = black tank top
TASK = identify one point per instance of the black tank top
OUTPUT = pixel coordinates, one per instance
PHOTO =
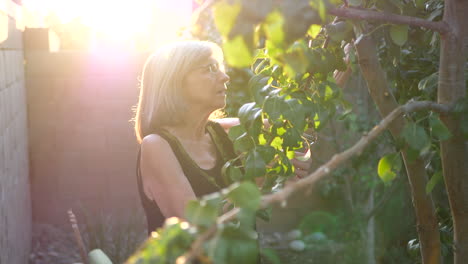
(202, 181)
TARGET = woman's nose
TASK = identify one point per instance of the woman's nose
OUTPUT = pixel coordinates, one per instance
(224, 77)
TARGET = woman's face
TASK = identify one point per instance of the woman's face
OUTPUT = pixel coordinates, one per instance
(205, 85)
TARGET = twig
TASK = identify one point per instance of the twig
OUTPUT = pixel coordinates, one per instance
(79, 239)
(362, 14)
(318, 174)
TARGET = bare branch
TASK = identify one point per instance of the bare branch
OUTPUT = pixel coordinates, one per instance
(318, 174)
(354, 13)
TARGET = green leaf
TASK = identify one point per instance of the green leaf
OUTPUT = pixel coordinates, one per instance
(433, 181)
(274, 28)
(225, 16)
(233, 245)
(237, 52)
(314, 30)
(246, 217)
(201, 213)
(292, 138)
(295, 113)
(316, 121)
(243, 143)
(318, 221)
(255, 166)
(258, 85)
(439, 130)
(399, 34)
(277, 142)
(245, 195)
(248, 113)
(236, 131)
(231, 172)
(388, 166)
(415, 136)
(429, 83)
(266, 152)
(274, 106)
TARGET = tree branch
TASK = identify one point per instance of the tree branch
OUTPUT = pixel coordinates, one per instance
(361, 14)
(333, 163)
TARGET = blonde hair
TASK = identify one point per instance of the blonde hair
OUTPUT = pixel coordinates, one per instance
(161, 100)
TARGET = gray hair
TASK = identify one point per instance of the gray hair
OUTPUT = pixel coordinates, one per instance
(161, 100)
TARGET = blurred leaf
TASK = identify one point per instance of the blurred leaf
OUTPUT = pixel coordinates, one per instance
(317, 221)
(237, 52)
(439, 130)
(232, 245)
(247, 113)
(314, 30)
(277, 142)
(245, 195)
(258, 85)
(399, 34)
(236, 131)
(338, 31)
(430, 83)
(274, 28)
(295, 113)
(255, 166)
(243, 143)
(231, 172)
(292, 138)
(225, 16)
(388, 166)
(274, 107)
(433, 181)
(415, 136)
(201, 213)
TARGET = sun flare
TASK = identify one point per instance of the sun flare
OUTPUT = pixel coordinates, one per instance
(118, 20)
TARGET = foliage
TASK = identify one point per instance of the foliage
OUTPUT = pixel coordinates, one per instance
(288, 52)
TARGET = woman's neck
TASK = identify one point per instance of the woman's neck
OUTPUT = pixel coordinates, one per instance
(192, 127)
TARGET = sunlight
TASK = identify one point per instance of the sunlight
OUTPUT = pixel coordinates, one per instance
(118, 20)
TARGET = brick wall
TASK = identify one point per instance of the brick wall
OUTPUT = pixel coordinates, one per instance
(82, 146)
(15, 205)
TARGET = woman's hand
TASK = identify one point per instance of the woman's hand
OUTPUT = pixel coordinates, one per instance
(302, 163)
(342, 77)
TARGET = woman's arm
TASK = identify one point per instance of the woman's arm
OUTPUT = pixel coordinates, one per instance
(163, 178)
(227, 122)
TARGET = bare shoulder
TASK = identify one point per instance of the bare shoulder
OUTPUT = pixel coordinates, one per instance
(154, 145)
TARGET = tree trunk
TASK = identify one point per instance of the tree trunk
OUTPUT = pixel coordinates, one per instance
(425, 214)
(454, 154)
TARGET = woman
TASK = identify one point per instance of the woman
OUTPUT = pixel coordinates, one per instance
(182, 150)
